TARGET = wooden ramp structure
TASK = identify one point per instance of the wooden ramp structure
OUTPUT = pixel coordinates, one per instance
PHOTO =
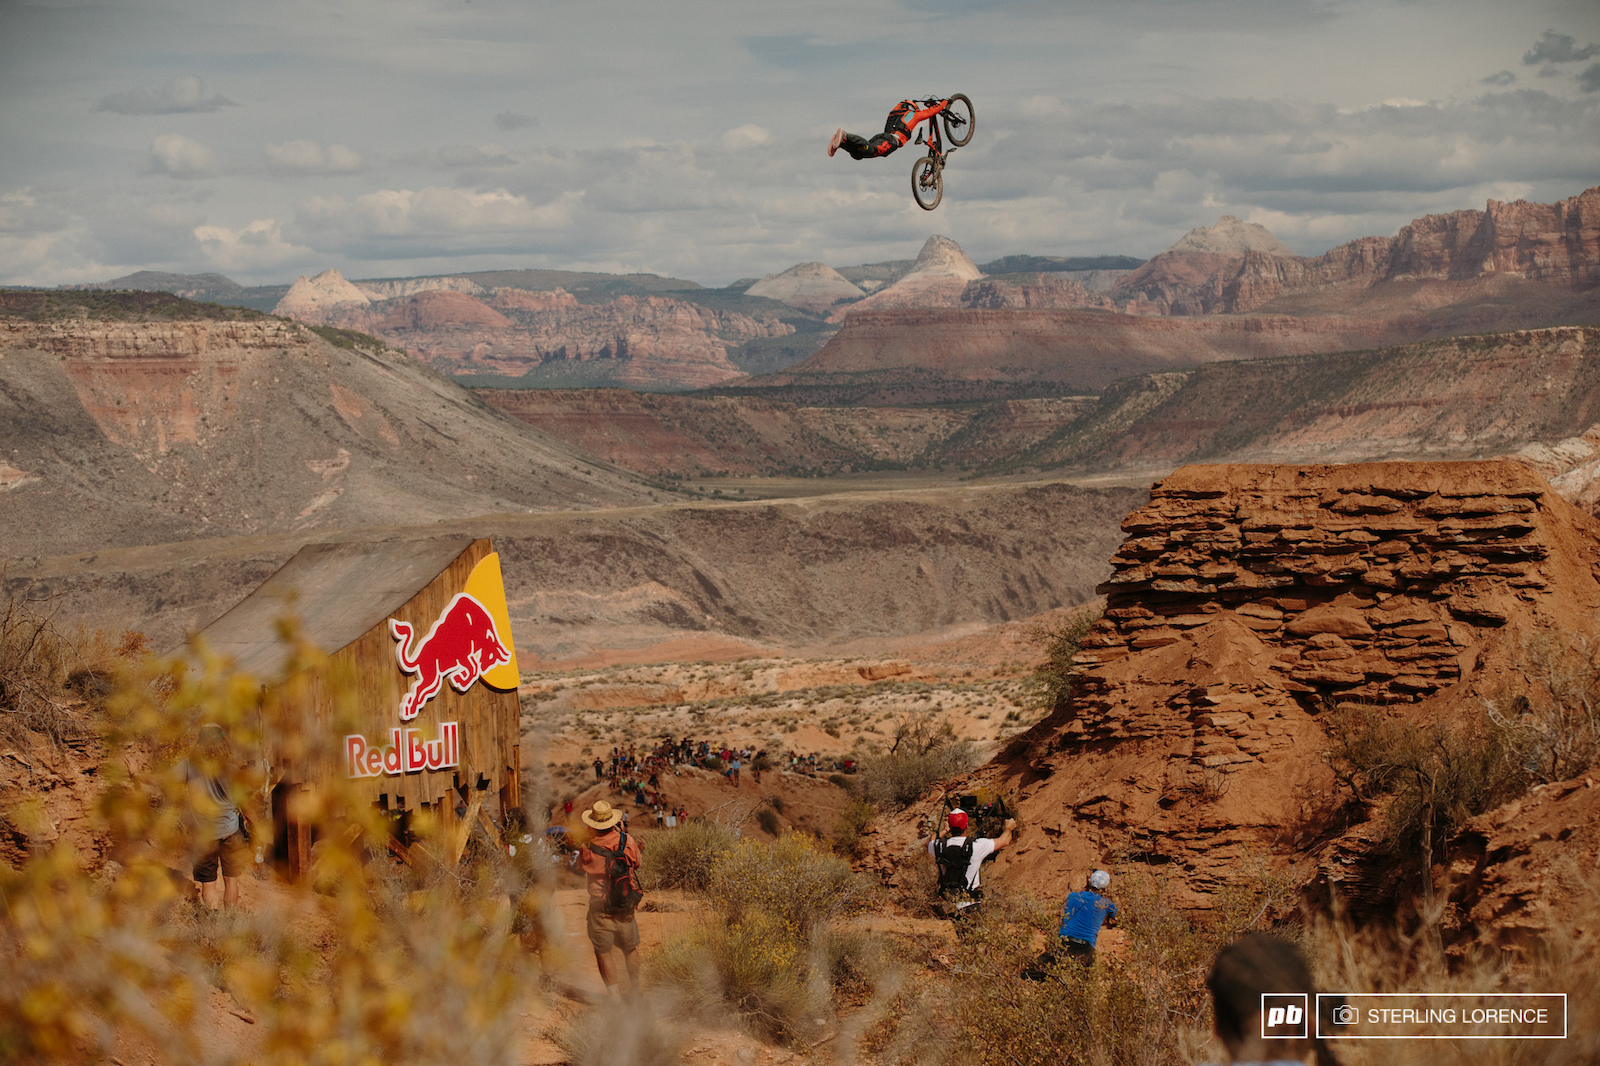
(421, 629)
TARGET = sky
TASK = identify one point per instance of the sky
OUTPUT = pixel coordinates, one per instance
(390, 138)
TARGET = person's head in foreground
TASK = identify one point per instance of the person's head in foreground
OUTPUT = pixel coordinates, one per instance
(958, 821)
(1251, 966)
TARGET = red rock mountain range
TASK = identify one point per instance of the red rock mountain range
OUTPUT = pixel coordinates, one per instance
(1509, 266)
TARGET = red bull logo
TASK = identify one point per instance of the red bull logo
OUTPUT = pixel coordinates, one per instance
(462, 646)
(406, 753)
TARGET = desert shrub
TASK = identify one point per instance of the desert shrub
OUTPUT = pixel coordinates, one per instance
(925, 750)
(619, 1033)
(852, 822)
(1551, 729)
(36, 662)
(683, 857)
(1430, 777)
(775, 802)
(1051, 682)
(839, 779)
(771, 953)
(791, 879)
(1145, 1004)
(755, 966)
(767, 819)
(93, 947)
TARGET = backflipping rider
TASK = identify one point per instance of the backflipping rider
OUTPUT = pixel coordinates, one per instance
(903, 118)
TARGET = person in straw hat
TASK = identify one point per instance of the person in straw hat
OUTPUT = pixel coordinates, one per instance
(608, 926)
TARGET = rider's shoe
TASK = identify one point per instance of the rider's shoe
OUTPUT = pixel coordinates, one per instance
(833, 145)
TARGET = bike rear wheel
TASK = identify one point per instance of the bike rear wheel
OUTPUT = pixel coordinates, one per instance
(959, 120)
(927, 183)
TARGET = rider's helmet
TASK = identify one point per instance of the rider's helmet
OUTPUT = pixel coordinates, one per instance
(958, 819)
(1099, 880)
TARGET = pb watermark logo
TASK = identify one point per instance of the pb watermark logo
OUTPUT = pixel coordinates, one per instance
(1283, 1016)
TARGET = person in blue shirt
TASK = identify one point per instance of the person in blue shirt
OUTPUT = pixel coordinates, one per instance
(1083, 915)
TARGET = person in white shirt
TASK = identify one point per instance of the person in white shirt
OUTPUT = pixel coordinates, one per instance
(960, 864)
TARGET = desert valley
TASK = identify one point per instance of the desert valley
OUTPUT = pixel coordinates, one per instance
(1201, 561)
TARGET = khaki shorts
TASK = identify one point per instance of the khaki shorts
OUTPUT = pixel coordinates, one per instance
(611, 930)
(231, 853)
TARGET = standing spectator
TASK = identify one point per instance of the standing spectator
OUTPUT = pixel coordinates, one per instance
(220, 829)
(611, 856)
(733, 768)
(599, 769)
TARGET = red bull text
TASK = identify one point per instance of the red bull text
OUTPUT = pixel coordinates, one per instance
(460, 647)
(407, 752)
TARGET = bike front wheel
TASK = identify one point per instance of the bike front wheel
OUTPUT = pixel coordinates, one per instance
(927, 183)
(959, 120)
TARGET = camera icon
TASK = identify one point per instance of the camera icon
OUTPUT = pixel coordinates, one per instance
(1344, 1014)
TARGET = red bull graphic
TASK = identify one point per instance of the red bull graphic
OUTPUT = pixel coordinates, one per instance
(407, 752)
(462, 646)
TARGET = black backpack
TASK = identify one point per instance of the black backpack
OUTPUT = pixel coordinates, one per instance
(953, 860)
(622, 887)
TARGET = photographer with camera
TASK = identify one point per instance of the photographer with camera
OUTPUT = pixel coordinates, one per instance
(960, 861)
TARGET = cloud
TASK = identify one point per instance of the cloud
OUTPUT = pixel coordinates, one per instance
(177, 96)
(309, 157)
(746, 136)
(406, 223)
(1556, 47)
(486, 155)
(177, 156)
(1589, 80)
(1499, 78)
(511, 120)
(259, 245)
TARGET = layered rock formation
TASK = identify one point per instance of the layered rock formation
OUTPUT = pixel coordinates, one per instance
(643, 341)
(136, 431)
(813, 287)
(1556, 244)
(1036, 291)
(1245, 602)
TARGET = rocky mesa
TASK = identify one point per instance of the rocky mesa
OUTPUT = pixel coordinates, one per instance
(1245, 604)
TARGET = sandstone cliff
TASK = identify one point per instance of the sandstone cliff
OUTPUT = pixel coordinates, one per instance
(643, 341)
(1556, 244)
(1245, 601)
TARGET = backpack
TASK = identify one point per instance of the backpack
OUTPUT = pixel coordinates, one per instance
(622, 888)
(953, 860)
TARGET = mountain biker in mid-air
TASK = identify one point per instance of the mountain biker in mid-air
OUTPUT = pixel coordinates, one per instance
(903, 118)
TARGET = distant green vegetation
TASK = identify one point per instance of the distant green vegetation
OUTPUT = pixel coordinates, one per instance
(52, 305)
(348, 338)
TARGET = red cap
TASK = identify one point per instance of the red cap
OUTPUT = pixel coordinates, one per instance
(958, 819)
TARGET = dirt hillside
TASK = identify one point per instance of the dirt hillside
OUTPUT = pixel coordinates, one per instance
(1246, 602)
(1453, 398)
(125, 424)
(759, 576)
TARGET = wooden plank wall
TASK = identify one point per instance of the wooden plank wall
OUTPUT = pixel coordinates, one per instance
(488, 719)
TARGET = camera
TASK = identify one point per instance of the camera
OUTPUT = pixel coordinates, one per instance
(1344, 1014)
